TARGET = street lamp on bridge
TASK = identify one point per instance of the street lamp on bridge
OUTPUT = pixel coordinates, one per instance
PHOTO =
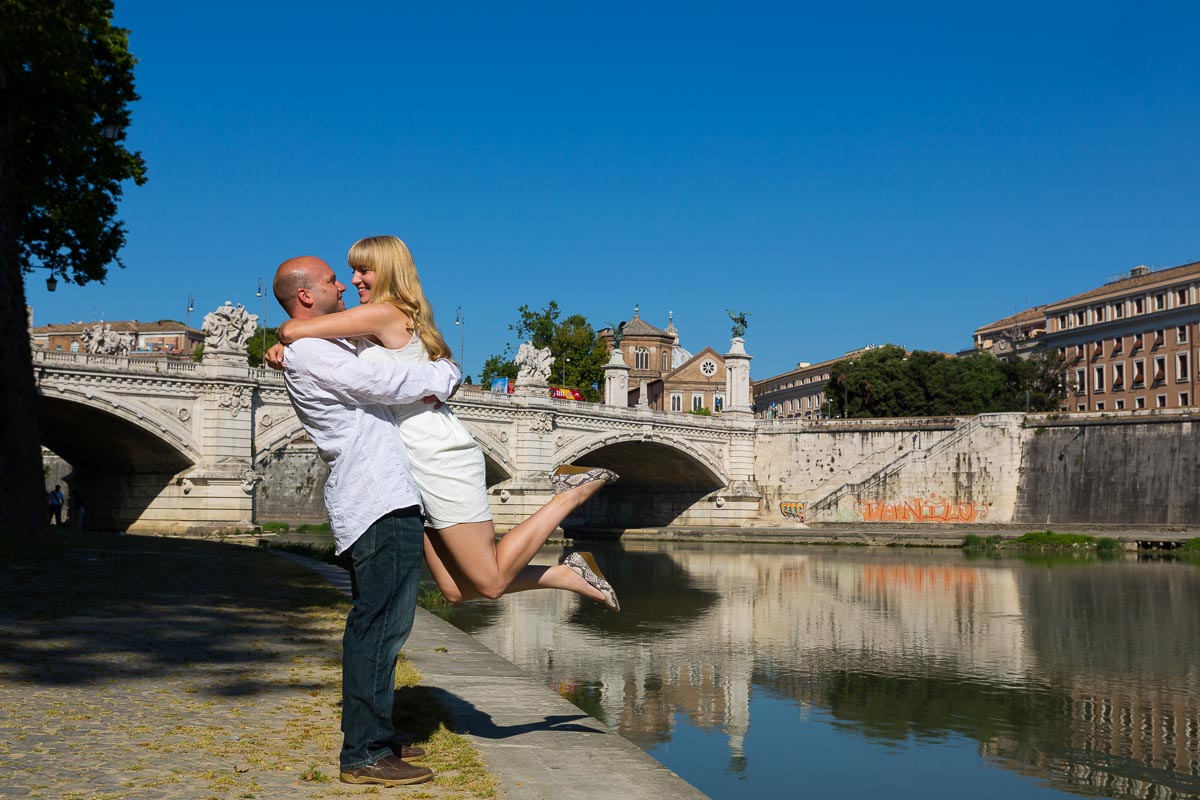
(262, 322)
(460, 322)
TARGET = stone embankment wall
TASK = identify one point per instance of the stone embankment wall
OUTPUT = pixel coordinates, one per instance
(292, 486)
(799, 466)
(1139, 469)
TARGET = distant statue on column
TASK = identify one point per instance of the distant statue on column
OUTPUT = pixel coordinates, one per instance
(739, 322)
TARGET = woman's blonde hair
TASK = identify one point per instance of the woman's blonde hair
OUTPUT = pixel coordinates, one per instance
(396, 282)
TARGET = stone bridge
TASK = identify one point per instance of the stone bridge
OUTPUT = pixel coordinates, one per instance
(183, 447)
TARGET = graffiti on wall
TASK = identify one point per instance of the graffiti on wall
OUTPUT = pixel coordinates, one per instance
(793, 509)
(923, 509)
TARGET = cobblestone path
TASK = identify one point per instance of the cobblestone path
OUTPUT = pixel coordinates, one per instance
(142, 667)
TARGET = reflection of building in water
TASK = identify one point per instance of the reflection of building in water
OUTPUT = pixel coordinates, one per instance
(783, 613)
(1041, 666)
(1119, 740)
(1132, 728)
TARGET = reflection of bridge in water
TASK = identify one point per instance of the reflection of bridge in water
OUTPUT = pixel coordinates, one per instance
(1080, 677)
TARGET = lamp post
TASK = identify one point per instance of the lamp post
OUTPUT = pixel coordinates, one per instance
(262, 322)
(564, 380)
(461, 322)
(191, 306)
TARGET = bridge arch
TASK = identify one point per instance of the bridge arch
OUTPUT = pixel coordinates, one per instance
(124, 456)
(653, 459)
(87, 426)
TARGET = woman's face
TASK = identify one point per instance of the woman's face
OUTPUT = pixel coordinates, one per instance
(364, 280)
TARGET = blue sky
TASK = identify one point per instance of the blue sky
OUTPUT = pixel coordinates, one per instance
(848, 173)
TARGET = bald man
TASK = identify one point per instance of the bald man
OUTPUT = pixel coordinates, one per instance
(374, 509)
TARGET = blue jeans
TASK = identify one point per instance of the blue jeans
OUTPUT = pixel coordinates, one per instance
(385, 568)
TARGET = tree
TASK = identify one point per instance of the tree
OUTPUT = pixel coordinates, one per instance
(254, 347)
(887, 382)
(579, 355)
(66, 83)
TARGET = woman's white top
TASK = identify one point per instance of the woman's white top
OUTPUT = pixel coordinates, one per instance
(447, 463)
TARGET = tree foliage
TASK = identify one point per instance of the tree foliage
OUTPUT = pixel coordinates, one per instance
(66, 75)
(67, 78)
(887, 382)
(579, 355)
(255, 349)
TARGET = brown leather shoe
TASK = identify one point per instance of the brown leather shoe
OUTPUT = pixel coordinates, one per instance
(389, 769)
(407, 752)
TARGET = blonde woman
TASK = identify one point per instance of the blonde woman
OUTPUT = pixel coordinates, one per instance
(395, 323)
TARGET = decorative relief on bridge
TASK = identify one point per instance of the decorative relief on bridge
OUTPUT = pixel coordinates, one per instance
(266, 421)
(249, 479)
(235, 399)
(542, 424)
(184, 414)
(228, 329)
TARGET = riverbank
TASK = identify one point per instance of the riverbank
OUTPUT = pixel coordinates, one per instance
(171, 669)
(900, 535)
(538, 744)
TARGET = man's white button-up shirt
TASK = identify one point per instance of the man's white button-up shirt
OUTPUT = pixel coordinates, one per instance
(343, 405)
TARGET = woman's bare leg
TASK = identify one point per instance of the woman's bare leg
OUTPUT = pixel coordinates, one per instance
(467, 562)
(457, 587)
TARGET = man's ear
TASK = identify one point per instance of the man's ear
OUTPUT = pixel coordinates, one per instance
(305, 297)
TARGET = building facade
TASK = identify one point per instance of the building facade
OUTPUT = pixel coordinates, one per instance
(162, 338)
(1130, 344)
(663, 375)
(1014, 336)
(799, 393)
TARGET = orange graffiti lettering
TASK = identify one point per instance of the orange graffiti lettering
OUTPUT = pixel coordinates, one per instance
(923, 509)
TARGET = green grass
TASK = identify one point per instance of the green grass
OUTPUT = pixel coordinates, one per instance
(1046, 541)
(321, 528)
(1049, 540)
(275, 527)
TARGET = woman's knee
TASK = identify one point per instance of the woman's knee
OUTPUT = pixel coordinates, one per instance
(492, 591)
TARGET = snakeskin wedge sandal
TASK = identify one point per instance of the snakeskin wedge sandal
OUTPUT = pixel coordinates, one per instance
(583, 565)
(569, 477)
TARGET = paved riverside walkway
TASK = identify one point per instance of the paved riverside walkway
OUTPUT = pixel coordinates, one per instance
(145, 668)
(539, 745)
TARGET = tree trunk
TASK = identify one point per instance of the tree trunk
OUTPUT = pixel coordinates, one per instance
(22, 491)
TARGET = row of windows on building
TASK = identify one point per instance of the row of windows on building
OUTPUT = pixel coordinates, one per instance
(809, 406)
(1112, 376)
(1119, 309)
(697, 401)
(1151, 340)
(641, 359)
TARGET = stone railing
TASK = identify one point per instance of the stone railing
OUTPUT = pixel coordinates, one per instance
(130, 364)
(473, 396)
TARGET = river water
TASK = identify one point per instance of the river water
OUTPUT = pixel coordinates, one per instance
(759, 671)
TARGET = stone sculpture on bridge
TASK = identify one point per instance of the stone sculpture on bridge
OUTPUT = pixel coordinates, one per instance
(533, 364)
(101, 339)
(228, 329)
